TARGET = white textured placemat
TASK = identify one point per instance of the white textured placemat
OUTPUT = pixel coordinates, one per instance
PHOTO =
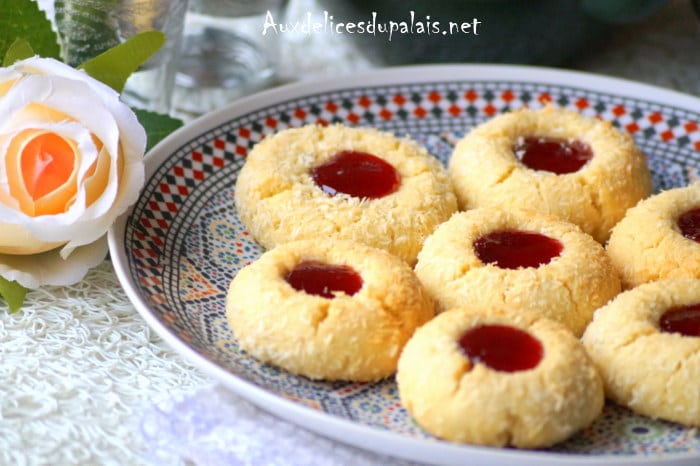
(77, 364)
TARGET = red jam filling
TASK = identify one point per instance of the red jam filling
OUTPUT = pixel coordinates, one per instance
(510, 249)
(683, 319)
(321, 279)
(501, 347)
(358, 174)
(553, 155)
(689, 224)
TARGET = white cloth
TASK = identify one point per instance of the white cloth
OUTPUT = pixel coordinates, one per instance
(215, 427)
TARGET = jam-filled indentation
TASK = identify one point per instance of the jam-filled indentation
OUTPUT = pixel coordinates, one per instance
(689, 224)
(358, 174)
(511, 249)
(682, 319)
(501, 347)
(321, 279)
(554, 155)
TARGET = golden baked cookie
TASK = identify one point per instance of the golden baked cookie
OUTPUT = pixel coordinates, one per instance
(556, 161)
(327, 309)
(499, 377)
(646, 345)
(349, 183)
(659, 238)
(518, 259)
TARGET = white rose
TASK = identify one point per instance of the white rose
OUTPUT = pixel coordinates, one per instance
(71, 161)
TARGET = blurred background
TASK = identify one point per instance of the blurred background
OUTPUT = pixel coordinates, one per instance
(655, 41)
(232, 48)
(652, 41)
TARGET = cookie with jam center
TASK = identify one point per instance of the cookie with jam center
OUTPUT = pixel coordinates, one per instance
(646, 345)
(659, 238)
(499, 377)
(327, 309)
(356, 184)
(517, 259)
(555, 161)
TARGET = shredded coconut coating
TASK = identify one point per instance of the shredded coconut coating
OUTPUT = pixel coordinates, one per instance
(654, 373)
(486, 172)
(278, 200)
(356, 337)
(568, 289)
(459, 401)
(647, 245)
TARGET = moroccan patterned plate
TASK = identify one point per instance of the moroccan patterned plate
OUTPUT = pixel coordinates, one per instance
(179, 247)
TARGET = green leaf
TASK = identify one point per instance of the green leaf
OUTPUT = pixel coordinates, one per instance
(86, 28)
(114, 66)
(13, 293)
(22, 19)
(157, 125)
(19, 50)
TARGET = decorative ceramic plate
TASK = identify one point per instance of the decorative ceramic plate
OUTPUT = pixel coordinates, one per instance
(179, 247)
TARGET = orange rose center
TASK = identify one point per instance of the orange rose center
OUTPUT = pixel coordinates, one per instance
(42, 171)
(47, 163)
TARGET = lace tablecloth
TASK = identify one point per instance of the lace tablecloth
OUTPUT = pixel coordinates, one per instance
(85, 381)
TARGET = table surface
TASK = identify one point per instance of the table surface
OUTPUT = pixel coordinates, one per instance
(85, 381)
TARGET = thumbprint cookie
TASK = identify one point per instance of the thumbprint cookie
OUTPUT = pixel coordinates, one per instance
(498, 377)
(646, 345)
(357, 184)
(327, 309)
(518, 259)
(580, 169)
(659, 238)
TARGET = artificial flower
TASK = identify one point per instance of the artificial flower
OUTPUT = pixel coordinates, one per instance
(71, 161)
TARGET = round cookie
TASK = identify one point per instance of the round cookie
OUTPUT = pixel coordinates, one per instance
(585, 171)
(498, 377)
(572, 278)
(658, 238)
(327, 309)
(280, 195)
(647, 362)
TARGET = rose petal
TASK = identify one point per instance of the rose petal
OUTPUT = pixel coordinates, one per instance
(16, 239)
(53, 67)
(49, 268)
(98, 177)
